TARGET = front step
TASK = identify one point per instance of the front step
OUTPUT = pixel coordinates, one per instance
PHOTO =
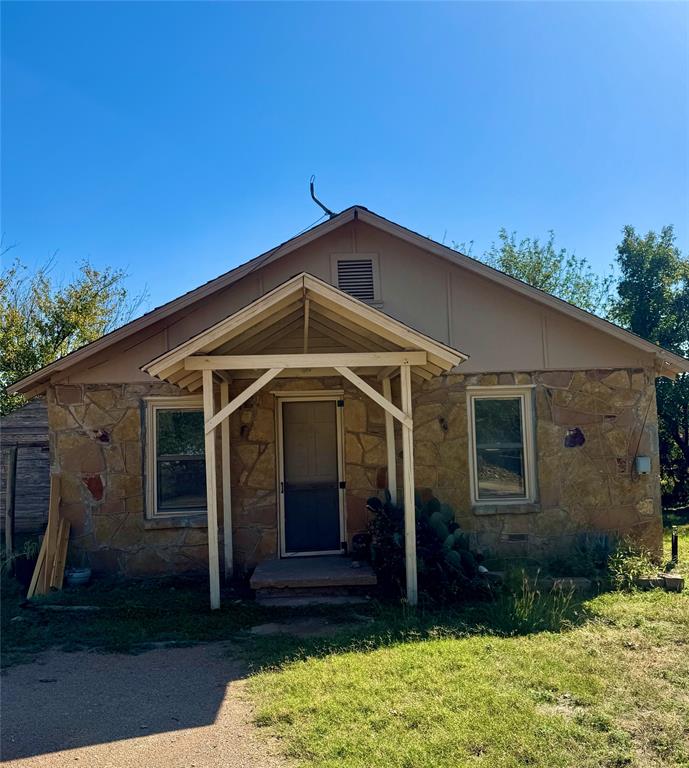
(289, 600)
(312, 580)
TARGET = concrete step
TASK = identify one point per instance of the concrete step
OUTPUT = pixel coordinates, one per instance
(295, 601)
(312, 573)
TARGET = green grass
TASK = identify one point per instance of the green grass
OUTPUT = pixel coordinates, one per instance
(610, 688)
(612, 691)
(132, 616)
(525, 681)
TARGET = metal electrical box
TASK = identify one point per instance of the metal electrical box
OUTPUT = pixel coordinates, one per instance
(643, 465)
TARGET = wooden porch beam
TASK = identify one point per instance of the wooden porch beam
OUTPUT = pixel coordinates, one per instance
(211, 494)
(226, 482)
(367, 389)
(408, 472)
(324, 360)
(390, 443)
(242, 397)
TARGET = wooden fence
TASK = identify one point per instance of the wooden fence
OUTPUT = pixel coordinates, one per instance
(25, 468)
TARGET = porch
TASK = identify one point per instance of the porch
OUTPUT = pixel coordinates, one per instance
(312, 579)
(303, 329)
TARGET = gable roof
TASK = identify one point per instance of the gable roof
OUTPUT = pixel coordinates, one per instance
(364, 327)
(669, 363)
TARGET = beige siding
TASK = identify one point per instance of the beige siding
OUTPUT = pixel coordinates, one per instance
(500, 329)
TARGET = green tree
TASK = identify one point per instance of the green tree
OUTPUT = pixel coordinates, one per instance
(554, 270)
(653, 302)
(42, 319)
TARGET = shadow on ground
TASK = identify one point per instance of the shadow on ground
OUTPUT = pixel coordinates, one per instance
(70, 700)
(66, 701)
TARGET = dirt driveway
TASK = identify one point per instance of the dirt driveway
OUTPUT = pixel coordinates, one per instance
(171, 708)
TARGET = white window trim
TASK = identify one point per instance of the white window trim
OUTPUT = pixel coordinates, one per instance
(153, 405)
(375, 263)
(504, 392)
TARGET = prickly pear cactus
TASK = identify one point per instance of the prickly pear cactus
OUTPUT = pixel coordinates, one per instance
(447, 569)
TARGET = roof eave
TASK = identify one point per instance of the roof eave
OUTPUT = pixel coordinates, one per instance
(37, 382)
(490, 273)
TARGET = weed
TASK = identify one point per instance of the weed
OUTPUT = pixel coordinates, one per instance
(627, 564)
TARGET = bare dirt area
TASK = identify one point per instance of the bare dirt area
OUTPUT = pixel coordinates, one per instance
(166, 708)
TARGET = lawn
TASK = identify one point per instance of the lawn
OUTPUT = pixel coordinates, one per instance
(603, 682)
(612, 689)
(127, 616)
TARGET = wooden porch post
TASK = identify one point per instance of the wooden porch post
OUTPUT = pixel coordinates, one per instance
(226, 482)
(211, 493)
(409, 508)
(390, 443)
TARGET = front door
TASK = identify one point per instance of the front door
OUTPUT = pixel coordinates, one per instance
(310, 477)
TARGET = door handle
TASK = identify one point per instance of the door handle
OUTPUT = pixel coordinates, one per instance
(282, 487)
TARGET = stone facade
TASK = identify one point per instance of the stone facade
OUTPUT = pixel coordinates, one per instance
(97, 434)
(96, 439)
(587, 488)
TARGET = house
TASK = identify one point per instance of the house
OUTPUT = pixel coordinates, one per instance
(251, 418)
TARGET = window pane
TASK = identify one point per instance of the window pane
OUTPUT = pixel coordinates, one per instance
(499, 448)
(181, 469)
(181, 485)
(179, 433)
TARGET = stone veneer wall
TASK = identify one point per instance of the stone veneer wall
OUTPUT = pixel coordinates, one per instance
(97, 445)
(588, 488)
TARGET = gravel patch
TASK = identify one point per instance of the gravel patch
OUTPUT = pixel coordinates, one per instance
(166, 708)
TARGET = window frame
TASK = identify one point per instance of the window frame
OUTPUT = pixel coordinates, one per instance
(153, 405)
(335, 258)
(524, 393)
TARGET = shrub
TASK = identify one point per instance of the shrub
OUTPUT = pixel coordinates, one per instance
(525, 608)
(447, 569)
(627, 564)
(588, 557)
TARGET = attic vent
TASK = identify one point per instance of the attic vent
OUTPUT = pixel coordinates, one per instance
(355, 277)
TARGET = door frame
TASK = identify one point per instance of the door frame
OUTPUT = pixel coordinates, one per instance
(300, 397)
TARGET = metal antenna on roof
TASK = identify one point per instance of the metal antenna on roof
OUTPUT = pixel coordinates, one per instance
(317, 201)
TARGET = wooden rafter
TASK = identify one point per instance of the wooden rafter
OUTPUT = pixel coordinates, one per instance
(264, 327)
(306, 325)
(346, 340)
(271, 335)
(350, 331)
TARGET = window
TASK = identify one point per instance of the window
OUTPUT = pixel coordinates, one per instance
(176, 468)
(357, 275)
(501, 445)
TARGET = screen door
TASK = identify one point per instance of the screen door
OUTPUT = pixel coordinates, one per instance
(311, 495)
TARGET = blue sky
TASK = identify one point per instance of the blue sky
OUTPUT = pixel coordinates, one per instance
(177, 139)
